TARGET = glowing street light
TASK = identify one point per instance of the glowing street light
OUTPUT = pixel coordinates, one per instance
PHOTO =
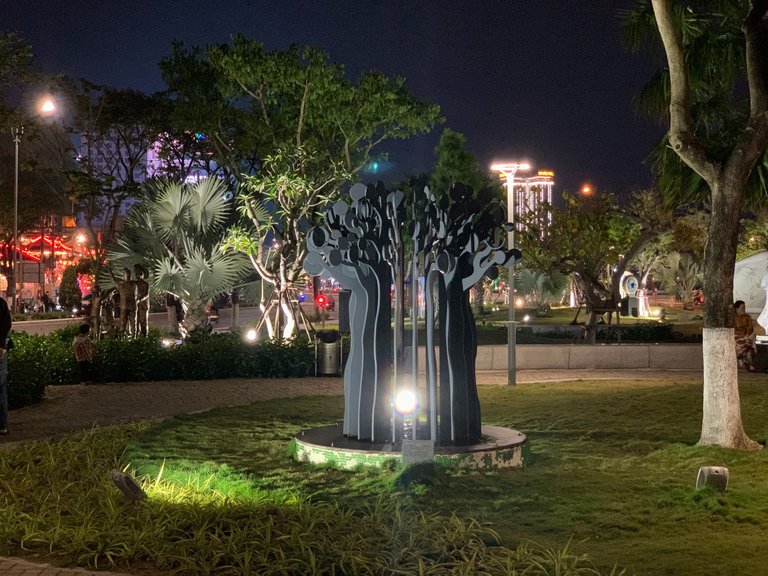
(586, 190)
(509, 170)
(45, 107)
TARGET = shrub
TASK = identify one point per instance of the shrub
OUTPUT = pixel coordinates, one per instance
(69, 292)
(40, 361)
(645, 332)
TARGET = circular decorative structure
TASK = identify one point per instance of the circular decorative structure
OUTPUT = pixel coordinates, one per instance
(499, 448)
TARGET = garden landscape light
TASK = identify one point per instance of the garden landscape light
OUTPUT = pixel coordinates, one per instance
(128, 486)
(406, 402)
(250, 335)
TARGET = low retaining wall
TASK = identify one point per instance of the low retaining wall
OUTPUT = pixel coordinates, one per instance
(586, 357)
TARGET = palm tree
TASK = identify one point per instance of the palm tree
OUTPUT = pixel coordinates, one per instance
(684, 272)
(542, 288)
(178, 236)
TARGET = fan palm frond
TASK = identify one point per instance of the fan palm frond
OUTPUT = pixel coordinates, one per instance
(168, 276)
(170, 211)
(208, 209)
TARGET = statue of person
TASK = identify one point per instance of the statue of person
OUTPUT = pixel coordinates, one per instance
(127, 291)
(763, 318)
(142, 299)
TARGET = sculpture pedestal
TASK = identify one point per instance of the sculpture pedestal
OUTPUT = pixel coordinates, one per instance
(500, 448)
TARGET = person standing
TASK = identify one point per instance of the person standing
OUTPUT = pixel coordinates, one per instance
(744, 334)
(142, 299)
(5, 345)
(84, 354)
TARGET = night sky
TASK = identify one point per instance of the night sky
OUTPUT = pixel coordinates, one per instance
(546, 81)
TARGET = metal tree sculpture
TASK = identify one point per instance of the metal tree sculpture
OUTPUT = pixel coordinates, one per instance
(462, 244)
(355, 247)
(361, 245)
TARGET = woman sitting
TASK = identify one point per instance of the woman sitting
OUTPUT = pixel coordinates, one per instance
(744, 333)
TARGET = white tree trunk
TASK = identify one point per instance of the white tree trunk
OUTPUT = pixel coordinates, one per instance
(721, 420)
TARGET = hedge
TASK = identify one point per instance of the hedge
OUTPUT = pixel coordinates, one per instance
(40, 361)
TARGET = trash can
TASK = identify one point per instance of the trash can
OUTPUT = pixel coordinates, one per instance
(328, 352)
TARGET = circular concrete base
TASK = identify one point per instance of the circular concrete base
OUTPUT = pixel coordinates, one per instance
(499, 448)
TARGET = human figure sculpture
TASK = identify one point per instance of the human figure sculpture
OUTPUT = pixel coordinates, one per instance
(127, 291)
(142, 300)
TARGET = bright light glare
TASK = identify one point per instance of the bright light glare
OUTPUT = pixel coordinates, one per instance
(526, 318)
(405, 402)
(519, 302)
(47, 106)
(510, 167)
(250, 335)
(80, 238)
(167, 342)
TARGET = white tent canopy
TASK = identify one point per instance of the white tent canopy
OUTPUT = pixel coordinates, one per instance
(747, 279)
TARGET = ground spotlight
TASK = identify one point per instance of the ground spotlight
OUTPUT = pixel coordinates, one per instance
(405, 402)
(250, 335)
(127, 485)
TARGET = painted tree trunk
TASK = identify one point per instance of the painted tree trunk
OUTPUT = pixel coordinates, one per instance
(721, 423)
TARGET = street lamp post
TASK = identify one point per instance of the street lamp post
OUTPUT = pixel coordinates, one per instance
(509, 170)
(16, 133)
(45, 107)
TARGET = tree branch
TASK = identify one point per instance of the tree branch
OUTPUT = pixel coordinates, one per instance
(681, 133)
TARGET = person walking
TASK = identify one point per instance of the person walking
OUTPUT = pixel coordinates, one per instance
(84, 354)
(5, 345)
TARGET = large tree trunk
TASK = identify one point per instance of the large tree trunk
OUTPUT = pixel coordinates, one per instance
(721, 423)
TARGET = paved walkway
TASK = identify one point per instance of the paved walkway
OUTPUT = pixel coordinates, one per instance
(69, 408)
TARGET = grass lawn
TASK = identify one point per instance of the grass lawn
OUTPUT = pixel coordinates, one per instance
(612, 463)
(612, 467)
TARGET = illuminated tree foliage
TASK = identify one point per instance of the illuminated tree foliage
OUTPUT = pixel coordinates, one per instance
(594, 239)
(292, 127)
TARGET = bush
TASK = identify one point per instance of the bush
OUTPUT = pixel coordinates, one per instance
(40, 361)
(645, 332)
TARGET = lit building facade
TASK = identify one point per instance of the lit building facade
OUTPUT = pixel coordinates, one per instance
(531, 192)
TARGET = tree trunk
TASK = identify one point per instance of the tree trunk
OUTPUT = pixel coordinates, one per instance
(195, 319)
(235, 323)
(721, 423)
(479, 297)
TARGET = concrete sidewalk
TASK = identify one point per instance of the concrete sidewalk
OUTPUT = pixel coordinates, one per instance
(69, 408)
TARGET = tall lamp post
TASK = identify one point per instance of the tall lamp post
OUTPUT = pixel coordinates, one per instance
(16, 133)
(509, 170)
(45, 107)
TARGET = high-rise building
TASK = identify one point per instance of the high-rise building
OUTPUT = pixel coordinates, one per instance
(531, 192)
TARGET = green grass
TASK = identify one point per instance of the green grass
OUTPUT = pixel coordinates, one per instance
(612, 463)
(612, 468)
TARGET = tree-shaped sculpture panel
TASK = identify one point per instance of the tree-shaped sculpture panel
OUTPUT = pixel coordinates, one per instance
(454, 242)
